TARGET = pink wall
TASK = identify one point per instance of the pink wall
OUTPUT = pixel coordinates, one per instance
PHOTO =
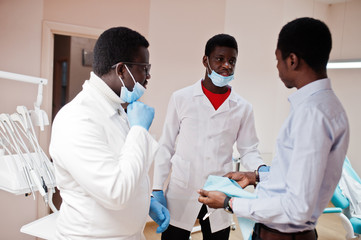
(78, 73)
(177, 32)
(100, 14)
(20, 48)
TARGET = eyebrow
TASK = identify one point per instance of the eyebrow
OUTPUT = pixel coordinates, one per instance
(222, 55)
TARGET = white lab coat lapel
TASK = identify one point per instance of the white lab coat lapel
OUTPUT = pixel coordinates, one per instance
(114, 115)
(226, 104)
(208, 107)
(201, 99)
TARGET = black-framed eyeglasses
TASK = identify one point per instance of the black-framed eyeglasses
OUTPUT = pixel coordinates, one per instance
(145, 65)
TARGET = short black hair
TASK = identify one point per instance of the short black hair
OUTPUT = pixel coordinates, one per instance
(309, 39)
(220, 40)
(118, 44)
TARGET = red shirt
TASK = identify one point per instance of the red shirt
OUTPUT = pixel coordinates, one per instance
(216, 98)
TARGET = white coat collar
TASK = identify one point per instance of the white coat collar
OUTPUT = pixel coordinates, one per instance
(106, 92)
(198, 91)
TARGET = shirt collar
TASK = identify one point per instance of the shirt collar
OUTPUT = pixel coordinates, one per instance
(103, 89)
(198, 91)
(301, 94)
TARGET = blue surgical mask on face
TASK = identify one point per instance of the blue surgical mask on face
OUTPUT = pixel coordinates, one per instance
(217, 79)
(135, 94)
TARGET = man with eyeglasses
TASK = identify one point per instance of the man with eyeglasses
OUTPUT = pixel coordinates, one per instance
(202, 124)
(101, 152)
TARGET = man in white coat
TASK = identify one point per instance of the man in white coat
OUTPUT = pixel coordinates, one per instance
(101, 152)
(202, 124)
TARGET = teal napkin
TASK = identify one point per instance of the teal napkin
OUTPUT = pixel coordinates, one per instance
(232, 189)
(227, 186)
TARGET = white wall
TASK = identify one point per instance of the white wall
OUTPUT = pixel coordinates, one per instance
(256, 74)
(344, 22)
(177, 36)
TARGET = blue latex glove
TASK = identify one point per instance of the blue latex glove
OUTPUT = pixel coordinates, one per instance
(264, 168)
(159, 196)
(159, 214)
(140, 114)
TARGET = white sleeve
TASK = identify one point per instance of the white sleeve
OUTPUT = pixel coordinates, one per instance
(80, 148)
(247, 142)
(167, 143)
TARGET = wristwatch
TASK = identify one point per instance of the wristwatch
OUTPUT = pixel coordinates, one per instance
(226, 205)
(257, 178)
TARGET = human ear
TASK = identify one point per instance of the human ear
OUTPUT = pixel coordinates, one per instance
(204, 61)
(120, 70)
(293, 60)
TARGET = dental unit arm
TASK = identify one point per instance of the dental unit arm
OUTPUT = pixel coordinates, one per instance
(25, 168)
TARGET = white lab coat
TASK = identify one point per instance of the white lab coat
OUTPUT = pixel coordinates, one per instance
(351, 189)
(101, 167)
(197, 141)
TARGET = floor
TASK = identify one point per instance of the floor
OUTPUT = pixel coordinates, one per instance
(329, 227)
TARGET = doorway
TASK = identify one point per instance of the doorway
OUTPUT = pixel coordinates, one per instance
(59, 72)
(72, 63)
(73, 58)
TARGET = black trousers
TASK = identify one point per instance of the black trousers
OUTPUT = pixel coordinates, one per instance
(175, 233)
(276, 235)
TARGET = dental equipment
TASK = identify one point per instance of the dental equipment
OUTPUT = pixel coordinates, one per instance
(38, 115)
(24, 167)
(4, 121)
(35, 170)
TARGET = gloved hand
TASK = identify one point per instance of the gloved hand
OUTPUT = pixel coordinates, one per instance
(159, 196)
(140, 114)
(159, 214)
(264, 168)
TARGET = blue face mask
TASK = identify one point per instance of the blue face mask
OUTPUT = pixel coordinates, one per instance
(131, 96)
(217, 79)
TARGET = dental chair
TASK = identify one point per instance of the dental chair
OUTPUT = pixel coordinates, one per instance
(352, 225)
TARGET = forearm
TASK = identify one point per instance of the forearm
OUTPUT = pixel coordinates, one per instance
(162, 168)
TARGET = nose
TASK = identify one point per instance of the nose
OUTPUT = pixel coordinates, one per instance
(226, 64)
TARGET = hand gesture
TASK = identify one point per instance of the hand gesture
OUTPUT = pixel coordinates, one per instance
(140, 114)
(242, 178)
(212, 199)
(159, 214)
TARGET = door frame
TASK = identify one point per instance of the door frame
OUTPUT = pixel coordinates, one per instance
(49, 29)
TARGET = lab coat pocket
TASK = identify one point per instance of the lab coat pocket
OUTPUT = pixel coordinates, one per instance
(180, 171)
